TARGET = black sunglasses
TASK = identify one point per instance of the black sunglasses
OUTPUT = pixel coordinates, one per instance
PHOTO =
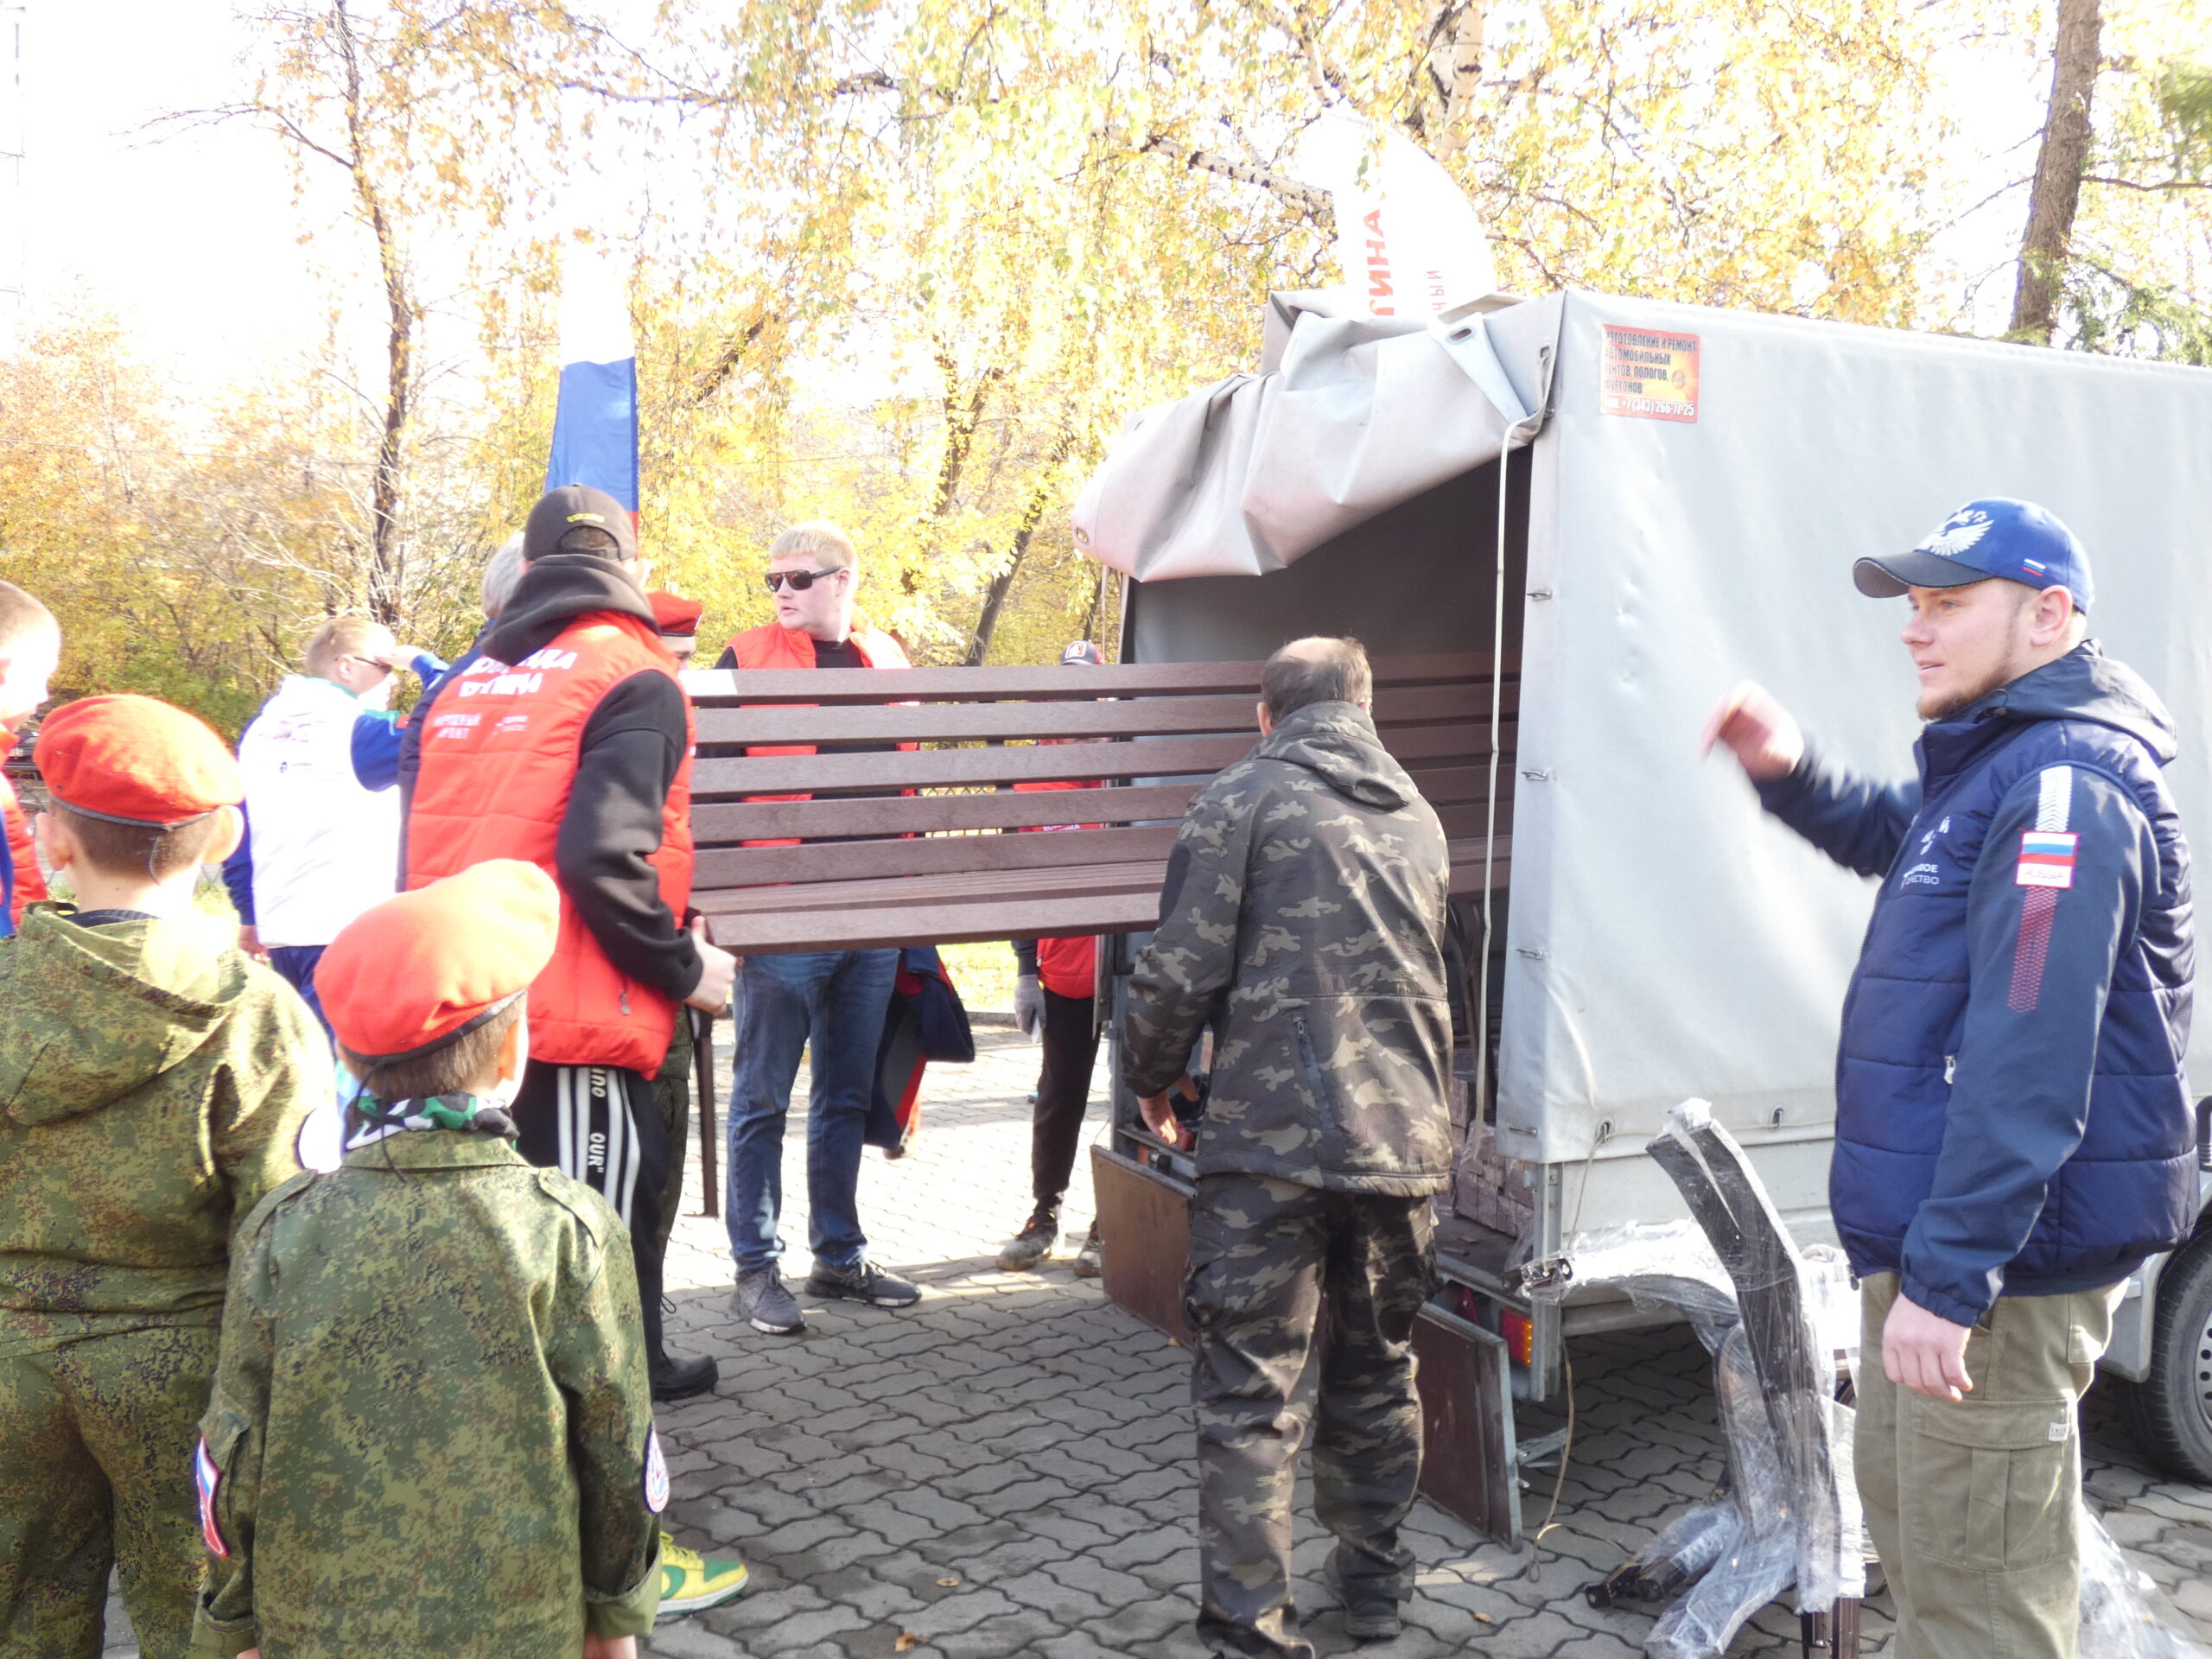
(799, 580)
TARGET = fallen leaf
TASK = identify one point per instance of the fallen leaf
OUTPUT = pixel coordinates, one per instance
(907, 1640)
(946, 1584)
(1486, 1618)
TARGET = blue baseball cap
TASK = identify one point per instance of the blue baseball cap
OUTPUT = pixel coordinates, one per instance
(2018, 541)
(1082, 652)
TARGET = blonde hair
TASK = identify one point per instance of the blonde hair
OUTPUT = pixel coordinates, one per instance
(820, 541)
(340, 637)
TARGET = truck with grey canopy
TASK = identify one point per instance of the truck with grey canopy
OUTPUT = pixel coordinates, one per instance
(1627, 507)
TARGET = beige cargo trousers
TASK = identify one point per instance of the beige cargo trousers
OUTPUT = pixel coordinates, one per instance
(1973, 1507)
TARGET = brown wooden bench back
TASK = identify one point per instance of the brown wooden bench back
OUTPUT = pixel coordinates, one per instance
(947, 862)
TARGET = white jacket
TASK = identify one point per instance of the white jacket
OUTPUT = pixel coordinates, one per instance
(325, 846)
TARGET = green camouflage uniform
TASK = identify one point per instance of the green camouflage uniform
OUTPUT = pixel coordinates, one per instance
(1302, 920)
(431, 1432)
(153, 1084)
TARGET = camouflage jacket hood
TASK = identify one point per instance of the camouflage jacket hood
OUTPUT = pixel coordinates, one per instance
(154, 992)
(153, 1084)
(1337, 743)
(1302, 918)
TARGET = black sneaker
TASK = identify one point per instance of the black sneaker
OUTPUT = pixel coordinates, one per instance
(678, 1376)
(1032, 1244)
(864, 1283)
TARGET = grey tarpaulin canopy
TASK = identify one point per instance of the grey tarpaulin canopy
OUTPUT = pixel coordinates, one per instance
(1350, 416)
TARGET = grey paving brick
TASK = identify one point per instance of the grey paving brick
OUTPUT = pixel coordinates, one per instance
(1021, 1437)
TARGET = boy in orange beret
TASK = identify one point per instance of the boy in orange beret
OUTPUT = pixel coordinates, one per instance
(432, 1429)
(153, 1085)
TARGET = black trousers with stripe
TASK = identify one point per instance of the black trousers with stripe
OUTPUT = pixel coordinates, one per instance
(600, 1125)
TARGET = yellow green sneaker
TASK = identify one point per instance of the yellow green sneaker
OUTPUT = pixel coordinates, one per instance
(688, 1581)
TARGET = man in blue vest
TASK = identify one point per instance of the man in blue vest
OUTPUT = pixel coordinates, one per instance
(2013, 1133)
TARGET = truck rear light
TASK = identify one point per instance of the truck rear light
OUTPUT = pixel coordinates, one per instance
(1520, 1334)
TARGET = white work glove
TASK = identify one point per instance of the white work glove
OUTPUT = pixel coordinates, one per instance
(1028, 1004)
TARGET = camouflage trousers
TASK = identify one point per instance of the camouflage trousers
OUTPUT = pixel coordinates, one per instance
(1265, 1255)
(96, 1441)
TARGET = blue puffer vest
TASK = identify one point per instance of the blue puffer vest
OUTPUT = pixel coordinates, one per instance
(2129, 1190)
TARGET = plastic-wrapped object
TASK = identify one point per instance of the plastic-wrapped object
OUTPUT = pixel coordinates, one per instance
(1656, 1264)
(1780, 1306)
(1687, 1545)
(2121, 1606)
(1759, 1561)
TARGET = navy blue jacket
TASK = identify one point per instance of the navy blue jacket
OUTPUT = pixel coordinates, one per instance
(2012, 1117)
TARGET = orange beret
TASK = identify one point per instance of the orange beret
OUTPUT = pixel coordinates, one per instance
(426, 967)
(136, 760)
(675, 614)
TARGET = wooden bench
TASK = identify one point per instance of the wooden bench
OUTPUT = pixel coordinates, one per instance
(924, 845)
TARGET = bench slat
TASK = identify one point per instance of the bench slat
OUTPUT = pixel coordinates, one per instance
(942, 723)
(720, 687)
(940, 768)
(745, 867)
(1115, 908)
(721, 823)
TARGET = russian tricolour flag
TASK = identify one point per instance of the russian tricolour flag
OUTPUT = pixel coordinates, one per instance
(2046, 860)
(595, 424)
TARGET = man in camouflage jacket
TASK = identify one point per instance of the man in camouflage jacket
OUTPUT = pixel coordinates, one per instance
(1302, 920)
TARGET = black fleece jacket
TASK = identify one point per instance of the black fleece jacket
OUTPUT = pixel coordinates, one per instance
(632, 745)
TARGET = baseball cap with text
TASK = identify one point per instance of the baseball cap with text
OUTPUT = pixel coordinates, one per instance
(2016, 541)
(576, 506)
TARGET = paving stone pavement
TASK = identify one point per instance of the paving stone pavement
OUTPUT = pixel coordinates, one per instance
(1006, 1469)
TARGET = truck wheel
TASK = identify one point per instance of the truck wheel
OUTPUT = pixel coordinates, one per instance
(2170, 1412)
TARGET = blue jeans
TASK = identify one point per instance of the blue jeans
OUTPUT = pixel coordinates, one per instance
(296, 962)
(833, 1000)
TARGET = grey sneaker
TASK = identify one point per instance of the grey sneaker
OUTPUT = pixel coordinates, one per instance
(1088, 1264)
(1032, 1244)
(865, 1283)
(761, 1300)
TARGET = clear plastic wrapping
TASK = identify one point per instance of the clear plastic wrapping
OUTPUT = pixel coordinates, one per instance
(1782, 1324)
(2122, 1611)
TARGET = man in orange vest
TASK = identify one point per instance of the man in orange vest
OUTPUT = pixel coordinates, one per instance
(833, 1000)
(1055, 990)
(568, 744)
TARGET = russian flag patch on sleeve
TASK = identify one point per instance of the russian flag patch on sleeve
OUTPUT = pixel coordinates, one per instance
(2046, 859)
(208, 1479)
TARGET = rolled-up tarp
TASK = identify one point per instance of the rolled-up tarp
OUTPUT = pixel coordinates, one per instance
(1359, 414)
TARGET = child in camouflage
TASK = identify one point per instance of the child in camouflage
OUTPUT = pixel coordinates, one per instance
(431, 1429)
(153, 1084)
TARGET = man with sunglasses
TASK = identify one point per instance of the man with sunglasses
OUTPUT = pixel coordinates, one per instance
(321, 760)
(833, 1000)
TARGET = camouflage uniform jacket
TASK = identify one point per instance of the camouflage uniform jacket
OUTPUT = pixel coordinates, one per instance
(153, 1082)
(1302, 919)
(431, 1432)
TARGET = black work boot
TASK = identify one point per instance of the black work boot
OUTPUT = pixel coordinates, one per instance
(673, 1376)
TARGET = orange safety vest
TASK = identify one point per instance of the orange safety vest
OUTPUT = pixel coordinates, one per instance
(773, 646)
(500, 747)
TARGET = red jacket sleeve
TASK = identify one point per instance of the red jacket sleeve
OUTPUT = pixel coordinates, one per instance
(30, 885)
